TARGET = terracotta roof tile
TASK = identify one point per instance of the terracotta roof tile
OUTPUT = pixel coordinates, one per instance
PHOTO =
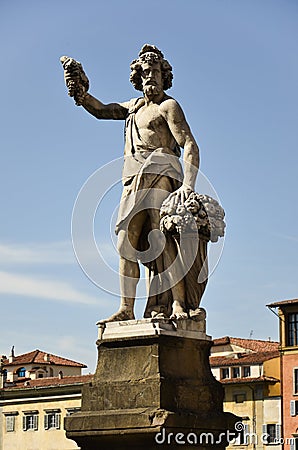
(283, 303)
(51, 381)
(38, 357)
(221, 341)
(249, 380)
(244, 359)
(250, 344)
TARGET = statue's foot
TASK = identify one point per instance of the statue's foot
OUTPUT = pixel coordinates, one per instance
(158, 315)
(179, 316)
(178, 312)
(120, 315)
(198, 314)
(158, 312)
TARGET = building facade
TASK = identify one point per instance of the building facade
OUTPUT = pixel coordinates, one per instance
(36, 365)
(288, 329)
(35, 397)
(249, 371)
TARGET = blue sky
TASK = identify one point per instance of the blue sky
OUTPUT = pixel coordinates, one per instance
(235, 75)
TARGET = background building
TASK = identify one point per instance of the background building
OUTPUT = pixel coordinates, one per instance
(38, 390)
(288, 326)
(35, 365)
(260, 380)
(249, 371)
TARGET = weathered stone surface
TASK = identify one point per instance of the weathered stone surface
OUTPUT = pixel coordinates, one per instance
(148, 385)
(195, 328)
(147, 429)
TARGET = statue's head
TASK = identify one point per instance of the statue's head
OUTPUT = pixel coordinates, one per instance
(150, 56)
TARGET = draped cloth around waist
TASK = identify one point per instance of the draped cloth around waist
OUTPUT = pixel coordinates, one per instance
(141, 172)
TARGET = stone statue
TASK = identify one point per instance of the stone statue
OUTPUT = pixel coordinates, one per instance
(156, 194)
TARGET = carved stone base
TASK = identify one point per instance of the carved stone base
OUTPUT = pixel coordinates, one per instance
(153, 388)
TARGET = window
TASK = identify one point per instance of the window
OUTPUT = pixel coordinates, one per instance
(10, 419)
(236, 372)
(295, 379)
(52, 419)
(243, 436)
(272, 433)
(294, 408)
(246, 371)
(294, 444)
(30, 420)
(240, 398)
(259, 393)
(21, 372)
(292, 322)
(225, 373)
(71, 411)
(10, 422)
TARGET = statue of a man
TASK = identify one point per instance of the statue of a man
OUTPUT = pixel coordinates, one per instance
(156, 128)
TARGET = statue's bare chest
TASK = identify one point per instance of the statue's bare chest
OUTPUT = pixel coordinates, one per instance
(148, 117)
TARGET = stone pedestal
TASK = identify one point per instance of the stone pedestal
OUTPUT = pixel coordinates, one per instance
(153, 388)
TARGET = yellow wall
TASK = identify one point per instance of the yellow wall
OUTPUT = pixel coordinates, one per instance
(272, 369)
(244, 409)
(256, 410)
(41, 439)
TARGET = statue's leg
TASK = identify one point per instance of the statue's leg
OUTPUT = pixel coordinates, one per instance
(129, 270)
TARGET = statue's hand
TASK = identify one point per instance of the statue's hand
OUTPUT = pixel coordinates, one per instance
(75, 79)
(180, 195)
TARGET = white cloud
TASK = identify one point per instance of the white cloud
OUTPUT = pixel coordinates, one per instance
(64, 345)
(34, 253)
(73, 347)
(287, 237)
(29, 286)
(57, 253)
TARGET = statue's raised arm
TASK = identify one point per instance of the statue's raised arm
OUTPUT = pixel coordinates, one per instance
(77, 84)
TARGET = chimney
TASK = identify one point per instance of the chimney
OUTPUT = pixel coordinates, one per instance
(47, 357)
(11, 356)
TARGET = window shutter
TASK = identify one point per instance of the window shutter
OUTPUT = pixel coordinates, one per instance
(10, 423)
(35, 422)
(46, 422)
(292, 408)
(278, 433)
(292, 445)
(24, 423)
(265, 437)
(295, 381)
(246, 434)
(58, 419)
